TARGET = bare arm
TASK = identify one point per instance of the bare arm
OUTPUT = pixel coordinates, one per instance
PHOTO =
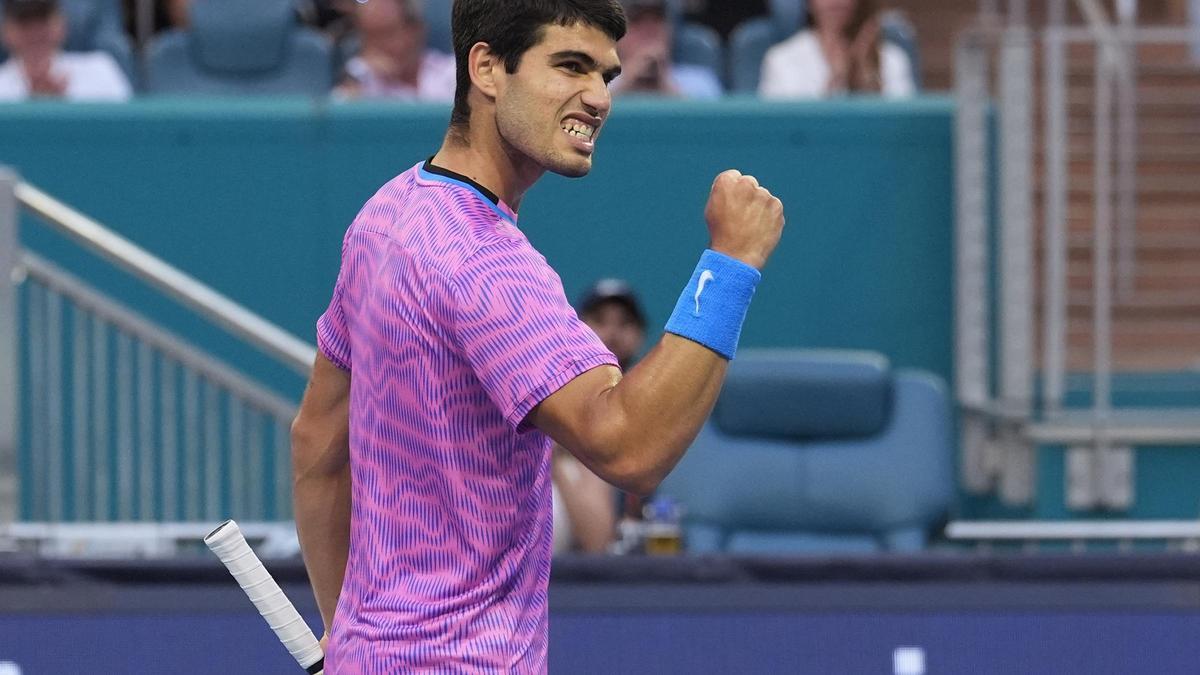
(321, 475)
(589, 502)
(632, 431)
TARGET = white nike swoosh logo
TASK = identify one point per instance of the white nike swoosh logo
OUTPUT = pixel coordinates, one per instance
(705, 277)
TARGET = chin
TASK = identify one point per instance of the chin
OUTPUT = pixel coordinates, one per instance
(574, 167)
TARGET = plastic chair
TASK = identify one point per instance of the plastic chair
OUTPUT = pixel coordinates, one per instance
(818, 452)
(698, 45)
(237, 47)
(437, 25)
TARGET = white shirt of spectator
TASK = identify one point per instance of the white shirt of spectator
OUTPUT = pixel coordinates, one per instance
(90, 76)
(796, 68)
(436, 81)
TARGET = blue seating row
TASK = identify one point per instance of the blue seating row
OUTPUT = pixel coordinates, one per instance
(235, 47)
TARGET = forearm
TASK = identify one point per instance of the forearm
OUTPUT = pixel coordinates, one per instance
(322, 508)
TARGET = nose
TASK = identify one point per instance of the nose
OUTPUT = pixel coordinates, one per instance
(597, 100)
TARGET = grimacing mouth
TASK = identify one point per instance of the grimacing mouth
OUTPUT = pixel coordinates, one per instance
(581, 126)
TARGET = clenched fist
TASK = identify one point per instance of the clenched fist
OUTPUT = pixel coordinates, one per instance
(745, 220)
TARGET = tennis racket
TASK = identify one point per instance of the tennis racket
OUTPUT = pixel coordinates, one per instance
(279, 613)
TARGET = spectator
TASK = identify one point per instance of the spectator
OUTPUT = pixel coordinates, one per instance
(584, 505)
(843, 52)
(394, 61)
(34, 32)
(645, 53)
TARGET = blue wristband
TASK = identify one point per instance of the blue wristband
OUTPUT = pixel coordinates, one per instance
(714, 303)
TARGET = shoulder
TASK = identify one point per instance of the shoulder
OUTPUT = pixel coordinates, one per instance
(94, 76)
(898, 76)
(892, 54)
(12, 82)
(440, 223)
(91, 62)
(803, 43)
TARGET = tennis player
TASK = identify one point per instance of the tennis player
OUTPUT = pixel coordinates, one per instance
(450, 357)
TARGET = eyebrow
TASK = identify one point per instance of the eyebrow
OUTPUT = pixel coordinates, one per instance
(586, 60)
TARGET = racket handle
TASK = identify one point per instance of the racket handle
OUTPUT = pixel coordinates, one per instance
(230, 546)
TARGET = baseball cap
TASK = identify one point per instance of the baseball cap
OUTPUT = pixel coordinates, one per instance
(29, 9)
(612, 290)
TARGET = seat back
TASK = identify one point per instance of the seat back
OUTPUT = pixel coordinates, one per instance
(439, 34)
(748, 45)
(699, 45)
(805, 487)
(234, 47)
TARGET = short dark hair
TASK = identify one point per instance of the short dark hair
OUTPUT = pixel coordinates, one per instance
(513, 27)
(26, 10)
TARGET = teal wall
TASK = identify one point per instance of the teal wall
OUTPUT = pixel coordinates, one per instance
(253, 197)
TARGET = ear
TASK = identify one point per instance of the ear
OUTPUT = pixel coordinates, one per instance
(484, 67)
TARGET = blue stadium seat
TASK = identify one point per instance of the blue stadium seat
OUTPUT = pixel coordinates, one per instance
(749, 42)
(699, 45)
(437, 25)
(96, 25)
(238, 47)
(788, 15)
(748, 45)
(818, 452)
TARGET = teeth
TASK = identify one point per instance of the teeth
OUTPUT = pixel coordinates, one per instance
(579, 129)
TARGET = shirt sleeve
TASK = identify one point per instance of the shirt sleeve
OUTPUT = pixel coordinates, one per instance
(517, 330)
(771, 84)
(898, 80)
(333, 334)
(101, 79)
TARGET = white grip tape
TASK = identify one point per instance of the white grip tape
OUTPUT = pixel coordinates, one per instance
(230, 546)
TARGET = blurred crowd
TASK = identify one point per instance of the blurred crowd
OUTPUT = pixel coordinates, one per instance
(102, 50)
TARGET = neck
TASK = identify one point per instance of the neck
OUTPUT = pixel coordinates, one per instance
(488, 160)
(831, 35)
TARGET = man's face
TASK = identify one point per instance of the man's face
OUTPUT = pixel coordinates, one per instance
(617, 329)
(551, 109)
(34, 38)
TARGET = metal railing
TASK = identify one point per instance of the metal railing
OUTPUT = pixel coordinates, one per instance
(125, 421)
(1182, 534)
(1005, 416)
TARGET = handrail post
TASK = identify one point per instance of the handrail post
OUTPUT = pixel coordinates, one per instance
(1054, 342)
(9, 371)
(1016, 259)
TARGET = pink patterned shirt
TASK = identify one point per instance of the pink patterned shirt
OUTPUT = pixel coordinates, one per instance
(454, 328)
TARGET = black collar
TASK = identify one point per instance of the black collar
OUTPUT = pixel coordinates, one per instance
(433, 168)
